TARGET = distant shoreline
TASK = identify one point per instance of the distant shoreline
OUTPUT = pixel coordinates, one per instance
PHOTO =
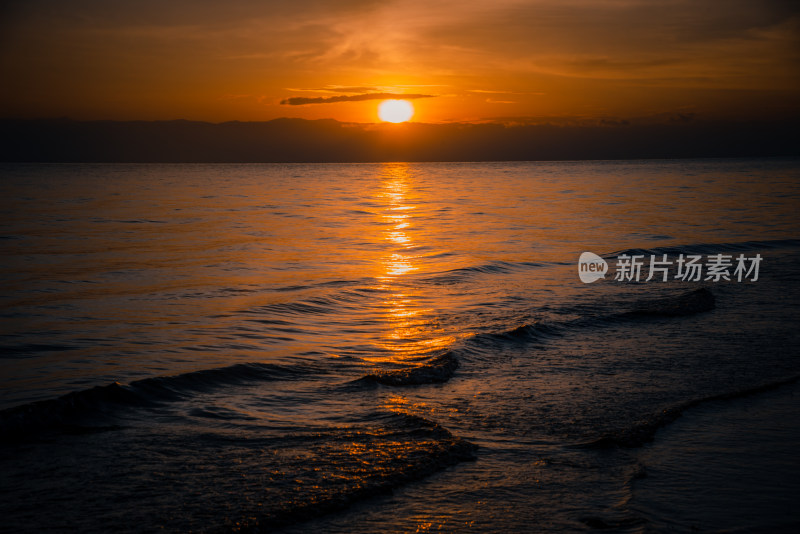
(330, 141)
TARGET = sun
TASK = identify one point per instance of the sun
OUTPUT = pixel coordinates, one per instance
(395, 110)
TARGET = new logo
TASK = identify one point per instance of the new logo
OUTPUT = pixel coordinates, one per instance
(591, 267)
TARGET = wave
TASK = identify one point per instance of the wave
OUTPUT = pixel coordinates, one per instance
(709, 248)
(395, 449)
(527, 333)
(436, 370)
(677, 305)
(205, 380)
(128, 221)
(81, 410)
(25, 350)
(329, 283)
(253, 479)
(90, 409)
(454, 276)
(496, 267)
(696, 301)
(329, 304)
(356, 293)
(441, 368)
(645, 431)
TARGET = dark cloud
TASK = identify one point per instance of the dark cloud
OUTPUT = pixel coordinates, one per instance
(150, 13)
(302, 100)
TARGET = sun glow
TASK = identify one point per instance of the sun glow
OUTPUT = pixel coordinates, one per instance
(395, 110)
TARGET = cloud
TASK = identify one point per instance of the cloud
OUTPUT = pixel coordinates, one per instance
(501, 92)
(349, 89)
(302, 100)
(333, 89)
(234, 96)
(149, 59)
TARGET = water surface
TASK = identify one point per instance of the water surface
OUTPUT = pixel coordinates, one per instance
(291, 341)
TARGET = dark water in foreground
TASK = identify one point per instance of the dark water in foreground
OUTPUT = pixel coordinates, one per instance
(362, 348)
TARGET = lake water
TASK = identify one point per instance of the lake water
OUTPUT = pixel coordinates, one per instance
(393, 347)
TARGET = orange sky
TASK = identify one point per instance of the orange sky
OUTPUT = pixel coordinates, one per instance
(473, 60)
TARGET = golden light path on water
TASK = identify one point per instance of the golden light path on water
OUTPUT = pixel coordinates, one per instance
(409, 336)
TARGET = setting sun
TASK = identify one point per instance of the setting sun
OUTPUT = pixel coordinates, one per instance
(395, 110)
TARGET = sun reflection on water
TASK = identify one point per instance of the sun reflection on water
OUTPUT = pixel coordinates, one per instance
(394, 194)
(410, 335)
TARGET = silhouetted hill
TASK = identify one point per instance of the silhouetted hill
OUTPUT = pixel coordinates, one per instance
(298, 140)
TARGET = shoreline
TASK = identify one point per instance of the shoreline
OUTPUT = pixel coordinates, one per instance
(727, 465)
